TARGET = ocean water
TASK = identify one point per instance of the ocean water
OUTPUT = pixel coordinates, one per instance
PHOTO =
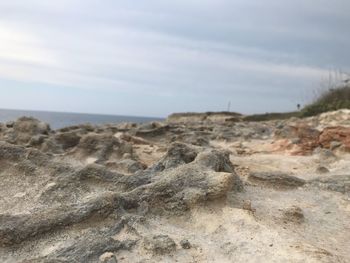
(59, 120)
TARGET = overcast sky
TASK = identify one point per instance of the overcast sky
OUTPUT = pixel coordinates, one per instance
(155, 57)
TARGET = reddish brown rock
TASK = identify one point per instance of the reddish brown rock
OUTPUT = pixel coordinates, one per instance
(298, 140)
(335, 134)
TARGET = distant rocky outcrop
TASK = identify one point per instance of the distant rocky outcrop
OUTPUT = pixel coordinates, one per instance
(204, 117)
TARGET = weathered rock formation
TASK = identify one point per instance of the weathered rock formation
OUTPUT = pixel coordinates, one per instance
(196, 188)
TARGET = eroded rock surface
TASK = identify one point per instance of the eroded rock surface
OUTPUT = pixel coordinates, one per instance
(332, 137)
(277, 180)
(196, 188)
(159, 244)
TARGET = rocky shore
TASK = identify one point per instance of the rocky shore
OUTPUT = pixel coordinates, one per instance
(195, 188)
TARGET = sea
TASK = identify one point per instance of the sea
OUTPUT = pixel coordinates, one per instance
(59, 120)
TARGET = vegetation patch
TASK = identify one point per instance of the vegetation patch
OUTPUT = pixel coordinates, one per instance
(331, 100)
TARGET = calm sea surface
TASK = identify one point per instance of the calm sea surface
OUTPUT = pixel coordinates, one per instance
(59, 120)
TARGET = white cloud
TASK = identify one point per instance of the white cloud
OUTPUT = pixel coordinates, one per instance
(125, 56)
(171, 48)
(20, 45)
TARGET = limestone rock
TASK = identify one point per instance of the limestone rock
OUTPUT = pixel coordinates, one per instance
(67, 139)
(339, 134)
(208, 177)
(337, 183)
(177, 154)
(293, 214)
(185, 244)
(159, 244)
(322, 170)
(304, 137)
(24, 128)
(102, 147)
(276, 180)
(108, 257)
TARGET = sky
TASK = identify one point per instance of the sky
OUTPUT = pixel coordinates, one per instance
(156, 57)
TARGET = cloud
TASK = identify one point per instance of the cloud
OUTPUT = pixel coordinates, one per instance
(21, 46)
(131, 55)
(185, 48)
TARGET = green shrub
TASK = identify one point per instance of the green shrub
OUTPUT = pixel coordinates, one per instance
(271, 116)
(332, 99)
